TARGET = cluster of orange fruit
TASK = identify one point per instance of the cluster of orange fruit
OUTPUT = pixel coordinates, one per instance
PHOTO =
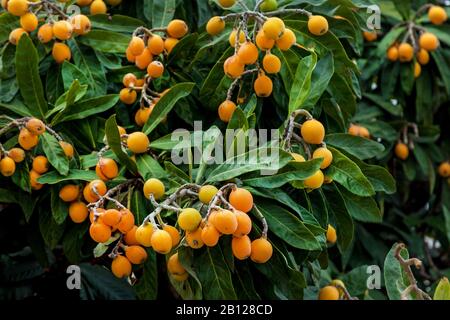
(313, 133)
(247, 53)
(427, 42)
(96, 6)
(359, 131)
(28, 139)
(60, 30)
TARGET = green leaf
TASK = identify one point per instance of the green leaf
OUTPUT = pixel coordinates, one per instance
(302, 171)
(114, 141)
(54, 177)
(173, 141)
(27, 73)
(320, 79)
(162, 13)
(214, 275)
(386, 105)
(149, 167)
(403, 7)
(394, 277)
(55, 153)
(60, 209)
(364, 209)
(147, 287)
(357, 146)
(301, 86)
(442, 291)
(268, 160)
(50, 230)
(345, 172)
(89, 107)
(116, 22)
(287, 226)
(8, 23)
(106, 41)
(166, 103)
(23, 199)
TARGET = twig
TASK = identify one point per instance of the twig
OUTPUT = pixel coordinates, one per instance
(261, 217)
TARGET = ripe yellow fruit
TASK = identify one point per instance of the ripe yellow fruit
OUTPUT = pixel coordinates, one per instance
(136, 254)
(215, 25)
(392, 53)
(271, 63)
(225, 221)
(263, 85)
(263, 42)
(130, 236)
(194, 238)
(40, 164)
(189, 219)
(170, 43)
(15, 35)
(325, 154)
(17, 154)
(99, 232)
(315, 181)
(128, 96)
(78, 212)
(261, 250)
(138, 142)
(143, 60)
(111, 217)
(27, 140)
(136, 46)
(35, 185)
(206, 193)
(428, 41)
(437, 15)
(7, 166)
(155, 44)
(181, 277)
(317, 25)
(370, 36)
(331, 234)
(244, 224)
(226, 110)
(227, 3)
(248, 53)
(329, 293)
(120, 266)
(98, 7)
(154, 186)
(177, 28)
(126, 221)
(107, 168)
(232, 37)
(61, 52)
(45, 33)
(233, 66)
(17, 7)
(62, 30)
(298, 157)
(174, 265)
(401, 151)
(417, 70)
(273, 28)
(142, 115)
(313, 131)
(97, 188)
(241, 247)
(87, 194)
(69, 192)
(67, 148)
(339, 284)
(423, 57)
(155, 69)
(161, 241)
(81, 24)
(444, 169)
(144, 234)
(129, 55)
(174, 234)
(241, 199)
(98, 212)
(210, 236)
(29, 22)
(287, 40)
(35, 126)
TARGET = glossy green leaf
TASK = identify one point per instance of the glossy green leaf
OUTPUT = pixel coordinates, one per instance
(106, 41)
(55, 153)
(54, 177)
(357, 146)
(301, 86)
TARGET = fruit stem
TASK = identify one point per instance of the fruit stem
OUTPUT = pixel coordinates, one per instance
(54, 133)
(258, 4)
(261, 217)
(406, 266)
(235, 82)
(304, 145)
(285, 11)
(218, 198)
(3, 151)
